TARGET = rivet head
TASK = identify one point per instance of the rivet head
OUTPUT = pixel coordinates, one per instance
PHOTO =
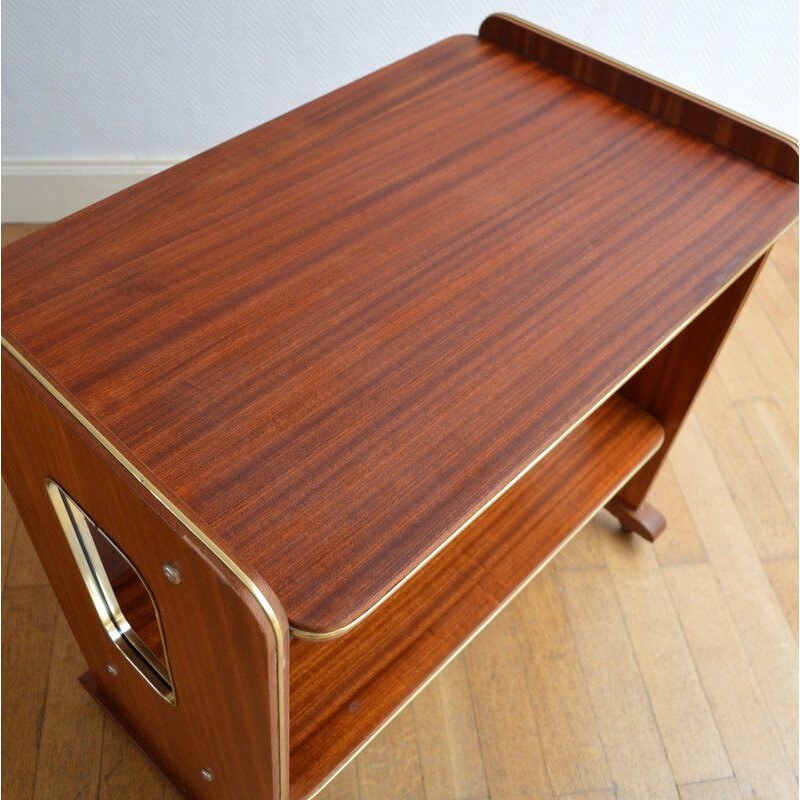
(171, 572)
(207, 774)
(112, 669)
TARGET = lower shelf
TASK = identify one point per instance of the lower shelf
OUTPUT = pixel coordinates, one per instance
(343, 690)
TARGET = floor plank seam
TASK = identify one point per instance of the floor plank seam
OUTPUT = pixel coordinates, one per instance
(696, 670)
(650, 705)
(570, 628)
(531, 698)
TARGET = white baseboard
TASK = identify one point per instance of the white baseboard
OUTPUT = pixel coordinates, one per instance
(44, 190)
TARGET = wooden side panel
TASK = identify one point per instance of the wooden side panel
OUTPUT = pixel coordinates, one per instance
(668, 384)
(642, 91)
(222, 650)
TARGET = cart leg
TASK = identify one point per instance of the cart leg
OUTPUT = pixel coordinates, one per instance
(645, 520)
(666, 387)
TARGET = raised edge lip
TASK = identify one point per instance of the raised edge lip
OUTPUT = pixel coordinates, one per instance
(585, 49)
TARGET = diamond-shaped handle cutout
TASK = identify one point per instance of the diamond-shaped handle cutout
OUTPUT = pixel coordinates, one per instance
(120, 596)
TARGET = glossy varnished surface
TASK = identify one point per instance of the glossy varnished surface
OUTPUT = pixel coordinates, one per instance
(342, 690)
(338, 336)
(624, 668)
(701, 117)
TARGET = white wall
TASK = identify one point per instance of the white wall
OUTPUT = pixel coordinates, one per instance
(98, 94)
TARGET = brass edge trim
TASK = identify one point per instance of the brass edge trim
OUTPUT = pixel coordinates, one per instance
(334, 634)
(249, 584)
(486, 622)
(104, 598)
(659, 82)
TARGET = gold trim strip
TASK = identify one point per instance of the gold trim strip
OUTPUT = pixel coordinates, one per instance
(315, 636)
(281, 666)
(501, 607)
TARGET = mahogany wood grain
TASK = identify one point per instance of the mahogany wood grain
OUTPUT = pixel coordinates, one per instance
(670, 103)
(221, 650)
(336, 337)
(667, 386)
(343, 689)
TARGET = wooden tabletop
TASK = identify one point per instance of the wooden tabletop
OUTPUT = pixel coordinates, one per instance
(336, 337)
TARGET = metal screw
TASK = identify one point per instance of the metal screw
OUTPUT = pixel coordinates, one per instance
(207, 774)
(171, 572)
(112, 669)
